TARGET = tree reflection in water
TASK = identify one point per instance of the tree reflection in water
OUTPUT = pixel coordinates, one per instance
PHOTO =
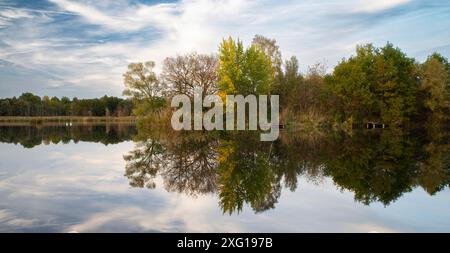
(30, 136)
(377, 166)
(186, 161)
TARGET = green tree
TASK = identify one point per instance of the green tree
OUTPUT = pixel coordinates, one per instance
(242, 71)
(376, 84)
(271, 49)
(289, 83)
(434, 83)
(143, 87)
(141, 81)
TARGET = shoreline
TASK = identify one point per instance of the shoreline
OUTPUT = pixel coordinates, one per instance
(63, 120)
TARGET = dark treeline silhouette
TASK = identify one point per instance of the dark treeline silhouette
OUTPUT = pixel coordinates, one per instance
(29, 104)
(31, 136)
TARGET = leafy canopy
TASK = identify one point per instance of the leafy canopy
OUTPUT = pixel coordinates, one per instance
(244, 71)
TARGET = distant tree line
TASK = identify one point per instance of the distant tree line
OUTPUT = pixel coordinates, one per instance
(29, 104)
(376, 84)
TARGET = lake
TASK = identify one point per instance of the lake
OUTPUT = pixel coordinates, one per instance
(116, 178)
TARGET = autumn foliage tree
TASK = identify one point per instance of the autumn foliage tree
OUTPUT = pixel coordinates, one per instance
(434, 86)
(378, 84)
(244, 71)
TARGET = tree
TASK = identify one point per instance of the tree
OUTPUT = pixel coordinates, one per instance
(271, 49)
(376, 84)
(31, 104)
(396, 84)
(443, 60)
(289, 81)
(312, 90)
(144, 88)
(291, 73)
(434, 83)
(242, 71)
(184, 74)
(141, 82)
(55, 106)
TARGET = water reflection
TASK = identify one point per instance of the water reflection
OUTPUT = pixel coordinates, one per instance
(376, 166)
(185, 181)
(187, 162)
(30, 136)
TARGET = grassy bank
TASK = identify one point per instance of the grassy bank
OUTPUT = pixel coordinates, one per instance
(46, 120)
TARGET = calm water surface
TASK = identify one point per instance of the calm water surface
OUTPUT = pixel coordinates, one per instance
(117, 179)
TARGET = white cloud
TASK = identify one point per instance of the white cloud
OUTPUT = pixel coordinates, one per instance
(15, 14)
(126, 19)
(377, 5)
(314, 31)
(7, 16)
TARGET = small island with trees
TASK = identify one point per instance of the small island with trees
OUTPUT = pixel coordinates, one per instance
(376, 84)
(380, 85)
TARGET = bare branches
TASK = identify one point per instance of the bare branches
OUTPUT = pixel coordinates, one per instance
(182, 74)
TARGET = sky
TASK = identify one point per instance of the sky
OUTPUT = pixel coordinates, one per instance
(82, 48)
